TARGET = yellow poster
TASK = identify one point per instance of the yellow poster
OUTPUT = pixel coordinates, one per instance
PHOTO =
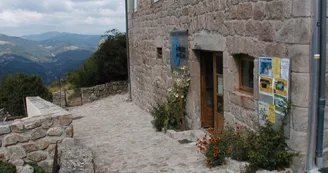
(281, 87)
(276, 67)
(266, 86)
(272, 114)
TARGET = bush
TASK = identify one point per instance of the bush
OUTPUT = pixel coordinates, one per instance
(36, 167)
(171, 114)
(264, 148)
(268, 150)
(6, 167)
(230, 142)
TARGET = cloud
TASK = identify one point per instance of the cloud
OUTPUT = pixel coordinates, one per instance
(20, 17)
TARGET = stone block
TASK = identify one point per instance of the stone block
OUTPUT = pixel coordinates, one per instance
(238, 112)
(17, 161)
(302, 8)
(64, 119)
(300, 87)
(16, 152)
(37, 156)
(243, 100)
(38, 133)
(259, 10)
(17, 127)
(46, 123)
(266, 31)
(244, 11)
(276, 50)
(298, 164)
(4, 129)
(68, 143)
(233, 13)
(46, 165)
(70, 131)
(3, 155)
(27, 169)
(297, 141)
(288, 4)
(299, 119)
(13, 138)
(42, 143)
(274, 10)
(300, 57)
(230, 62)
(30, 147)
(230, 80)
(32, 124)
(252, 28)
(239, 27)
(55, 131)
(294, 31)
(208, 41)
(77, 160)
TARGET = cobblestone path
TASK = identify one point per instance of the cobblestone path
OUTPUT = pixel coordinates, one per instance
(123, 141)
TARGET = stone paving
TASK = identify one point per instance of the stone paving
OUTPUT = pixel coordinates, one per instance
(123, 141)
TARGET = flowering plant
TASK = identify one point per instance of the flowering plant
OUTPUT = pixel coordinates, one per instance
(171, 114)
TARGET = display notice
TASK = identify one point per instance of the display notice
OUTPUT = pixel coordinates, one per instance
(273, 89)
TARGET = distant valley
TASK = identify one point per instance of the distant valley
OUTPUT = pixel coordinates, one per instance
(49, 55)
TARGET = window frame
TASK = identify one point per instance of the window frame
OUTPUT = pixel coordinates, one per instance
(135, 5)
(241, 86)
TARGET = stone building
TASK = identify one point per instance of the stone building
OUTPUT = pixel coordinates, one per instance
(232, 34)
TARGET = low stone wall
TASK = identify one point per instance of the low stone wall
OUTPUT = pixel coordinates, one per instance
(33, 139)
(58, 98)
(99, 91)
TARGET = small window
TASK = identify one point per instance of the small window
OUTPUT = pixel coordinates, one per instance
(246, 73)
(159, 52)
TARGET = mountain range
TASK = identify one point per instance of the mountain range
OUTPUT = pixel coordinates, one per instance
(49, 55)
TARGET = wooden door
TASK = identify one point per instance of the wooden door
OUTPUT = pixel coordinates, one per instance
(218, 91)
(207, 90)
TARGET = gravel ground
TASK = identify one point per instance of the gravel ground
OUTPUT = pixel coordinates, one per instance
(123, 141)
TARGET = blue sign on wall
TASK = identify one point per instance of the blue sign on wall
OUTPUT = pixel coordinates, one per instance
(179, 49)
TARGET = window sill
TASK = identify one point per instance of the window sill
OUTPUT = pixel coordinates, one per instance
(244, 93)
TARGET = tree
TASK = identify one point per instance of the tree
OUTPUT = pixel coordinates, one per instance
(108, 63)
(14, 88)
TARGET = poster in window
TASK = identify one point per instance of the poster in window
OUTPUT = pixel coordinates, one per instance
(263, 112)
(265, 66)
(284, 68)
(281, 87)
(272, 114)
(220, 85)
(280, 103)
(276, 67)
(266, 84)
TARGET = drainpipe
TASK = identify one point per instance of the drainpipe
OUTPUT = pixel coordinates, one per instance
(127, 48)
(322, 86)
(314, 87)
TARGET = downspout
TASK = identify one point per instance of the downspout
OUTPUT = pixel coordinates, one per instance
(314, 87)
(322, 86)
(127, 48)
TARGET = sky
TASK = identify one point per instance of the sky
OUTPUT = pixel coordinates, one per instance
(23, 17)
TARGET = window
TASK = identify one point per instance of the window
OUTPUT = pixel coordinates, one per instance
(246, 74)
(159, 52)
(135, 5)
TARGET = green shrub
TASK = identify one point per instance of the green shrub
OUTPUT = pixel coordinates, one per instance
(268, 150)
(264, 148)
(159, 115)
(230, 142)
(36, 167)
(171, 114)
(6, 167)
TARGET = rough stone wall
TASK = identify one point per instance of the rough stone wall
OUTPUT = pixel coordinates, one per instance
(58, 98)
(278, 28)
(33, 139)
(100, 91)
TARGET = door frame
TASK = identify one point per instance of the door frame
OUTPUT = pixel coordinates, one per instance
(217, 123)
